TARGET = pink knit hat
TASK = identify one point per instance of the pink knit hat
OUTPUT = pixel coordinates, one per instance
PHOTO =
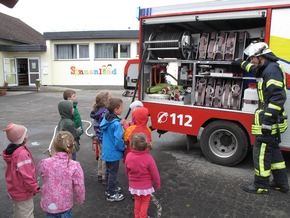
(15, 133)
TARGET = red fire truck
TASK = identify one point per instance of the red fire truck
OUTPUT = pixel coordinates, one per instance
(188, 78)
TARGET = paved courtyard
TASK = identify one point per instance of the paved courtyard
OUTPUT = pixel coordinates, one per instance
(191, 187)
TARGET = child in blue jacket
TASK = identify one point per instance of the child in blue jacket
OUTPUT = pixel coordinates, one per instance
(113, 147)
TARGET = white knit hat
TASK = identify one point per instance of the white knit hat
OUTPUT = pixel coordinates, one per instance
(15, 133)
(135, 104)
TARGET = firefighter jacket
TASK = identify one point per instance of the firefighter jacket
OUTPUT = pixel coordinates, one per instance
(272, 96)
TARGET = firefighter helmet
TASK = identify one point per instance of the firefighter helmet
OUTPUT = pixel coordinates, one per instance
(257, 49)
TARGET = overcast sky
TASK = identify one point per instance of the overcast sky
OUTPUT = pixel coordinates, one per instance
(77, 15)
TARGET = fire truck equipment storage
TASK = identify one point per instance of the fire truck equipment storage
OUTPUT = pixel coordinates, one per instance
(189, 80)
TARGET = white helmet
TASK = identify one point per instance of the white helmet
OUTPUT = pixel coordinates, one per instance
(257, 49)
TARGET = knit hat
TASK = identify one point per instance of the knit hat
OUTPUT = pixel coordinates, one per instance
(135, 104)
(15, 133)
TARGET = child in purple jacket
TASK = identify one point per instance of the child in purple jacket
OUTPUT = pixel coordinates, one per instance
(100, 110)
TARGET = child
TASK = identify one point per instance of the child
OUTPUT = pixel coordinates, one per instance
(66, 123)
(133, 106)
(141, 170)
(99, 112)
(20, 173)
(70, 94)
(113, 147)
(140, 117)
(61, 177)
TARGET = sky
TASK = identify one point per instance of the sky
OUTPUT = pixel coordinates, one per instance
(80, 15)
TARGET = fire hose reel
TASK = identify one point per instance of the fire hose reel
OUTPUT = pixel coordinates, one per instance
(170, 45)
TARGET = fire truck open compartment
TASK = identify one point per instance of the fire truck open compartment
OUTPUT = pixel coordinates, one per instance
(189, 79)
(190, 58)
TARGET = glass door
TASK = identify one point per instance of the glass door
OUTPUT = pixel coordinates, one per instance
(10, 74)
(33, 70)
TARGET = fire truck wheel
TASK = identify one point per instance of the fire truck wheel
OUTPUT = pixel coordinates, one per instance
(224, 143)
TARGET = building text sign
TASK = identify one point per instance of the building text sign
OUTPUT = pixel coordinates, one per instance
(104, 70)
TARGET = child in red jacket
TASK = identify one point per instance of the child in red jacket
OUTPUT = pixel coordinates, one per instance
(21, 182)
(142, 173)
(140, 116)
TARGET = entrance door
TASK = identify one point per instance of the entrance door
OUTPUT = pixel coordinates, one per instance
(10, 74)
(22, 70)
(33, 70)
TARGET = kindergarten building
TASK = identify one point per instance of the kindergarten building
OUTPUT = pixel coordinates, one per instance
(76, 58)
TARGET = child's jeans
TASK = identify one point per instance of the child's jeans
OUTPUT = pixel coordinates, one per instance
(111, 176)
(77, 148)
(141, 205)
(65, 214)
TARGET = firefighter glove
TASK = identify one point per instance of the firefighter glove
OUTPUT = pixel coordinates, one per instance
(266, 129)
(238, 61)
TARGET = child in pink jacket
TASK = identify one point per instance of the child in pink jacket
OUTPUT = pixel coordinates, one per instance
(21, 182)
(62, 176)
(142, 174)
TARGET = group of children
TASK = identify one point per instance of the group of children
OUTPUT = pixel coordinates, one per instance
(128, 140)
(117, 139)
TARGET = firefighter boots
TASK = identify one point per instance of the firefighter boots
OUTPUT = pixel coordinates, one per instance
(251, 188)
(279, 187)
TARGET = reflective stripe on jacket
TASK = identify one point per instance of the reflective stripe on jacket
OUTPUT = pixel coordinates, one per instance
(21, 182)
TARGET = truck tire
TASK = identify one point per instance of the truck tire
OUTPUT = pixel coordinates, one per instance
(224, 143)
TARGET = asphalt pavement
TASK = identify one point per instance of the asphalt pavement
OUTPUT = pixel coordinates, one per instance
(191, 187)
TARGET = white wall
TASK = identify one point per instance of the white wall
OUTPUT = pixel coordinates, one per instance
(88, 72)
(84, 72)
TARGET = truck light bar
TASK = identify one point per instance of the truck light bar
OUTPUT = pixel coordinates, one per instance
(206, 17)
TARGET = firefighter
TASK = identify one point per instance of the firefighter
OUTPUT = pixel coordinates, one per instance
(270, 119)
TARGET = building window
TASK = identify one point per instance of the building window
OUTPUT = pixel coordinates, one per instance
(112, 50)
(124, 51)
(84, 51)
(71, 51)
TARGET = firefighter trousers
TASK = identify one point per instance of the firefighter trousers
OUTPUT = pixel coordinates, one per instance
(268, 158)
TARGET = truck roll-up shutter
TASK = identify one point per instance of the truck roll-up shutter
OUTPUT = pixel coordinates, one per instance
(206, 17)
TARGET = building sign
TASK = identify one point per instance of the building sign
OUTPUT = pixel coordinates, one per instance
(104, 70)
